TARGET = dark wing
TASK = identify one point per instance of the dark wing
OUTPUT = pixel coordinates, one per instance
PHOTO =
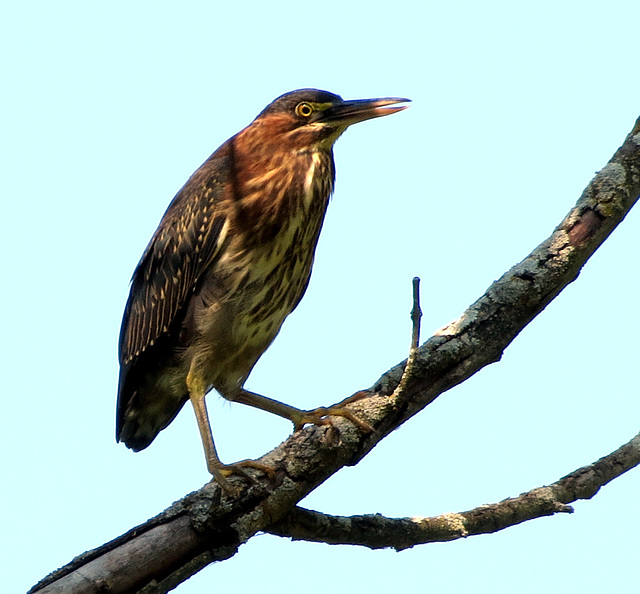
(185, 244)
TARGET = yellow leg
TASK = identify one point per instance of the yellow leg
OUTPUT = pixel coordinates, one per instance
(219, 470)
(196, 395)
(299, 417)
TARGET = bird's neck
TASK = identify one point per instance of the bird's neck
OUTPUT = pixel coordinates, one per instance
(277, 177)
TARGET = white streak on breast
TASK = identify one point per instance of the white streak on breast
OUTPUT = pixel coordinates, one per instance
(308, 180)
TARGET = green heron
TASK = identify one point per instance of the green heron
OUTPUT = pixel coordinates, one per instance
(230, 260)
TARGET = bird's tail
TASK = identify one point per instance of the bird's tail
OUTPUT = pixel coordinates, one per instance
(144, 410)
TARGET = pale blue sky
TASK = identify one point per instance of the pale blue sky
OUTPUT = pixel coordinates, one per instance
(108, 108)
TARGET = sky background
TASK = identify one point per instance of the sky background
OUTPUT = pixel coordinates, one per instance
(107, 108)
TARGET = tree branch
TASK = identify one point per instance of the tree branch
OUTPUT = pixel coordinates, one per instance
(376, 531)
(207, 525)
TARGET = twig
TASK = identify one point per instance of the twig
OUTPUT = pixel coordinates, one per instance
(416, 315)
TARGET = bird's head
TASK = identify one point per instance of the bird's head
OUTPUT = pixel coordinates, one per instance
(310, 119)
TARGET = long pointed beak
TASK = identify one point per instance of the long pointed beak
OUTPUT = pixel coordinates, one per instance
(359, 110)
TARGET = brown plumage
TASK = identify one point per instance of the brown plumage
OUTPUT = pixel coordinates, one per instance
(230, 260)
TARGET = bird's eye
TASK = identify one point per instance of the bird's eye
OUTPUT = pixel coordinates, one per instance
(304, 110)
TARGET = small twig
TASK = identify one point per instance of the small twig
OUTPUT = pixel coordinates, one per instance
(416, 315)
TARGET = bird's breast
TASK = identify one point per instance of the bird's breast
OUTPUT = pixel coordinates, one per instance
(264, 271)
(273, 276)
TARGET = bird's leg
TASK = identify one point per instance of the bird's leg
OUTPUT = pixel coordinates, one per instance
(220, 471)
(196, 388)
(299, 417)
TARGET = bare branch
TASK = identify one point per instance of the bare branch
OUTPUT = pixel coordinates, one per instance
(377, 531)
(207, 525)
(416, 315)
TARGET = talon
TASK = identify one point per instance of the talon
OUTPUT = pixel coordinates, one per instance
(318, 416)
(219, 476)
(359, 395)
(310, 418)
(270, 471)
(223, 472)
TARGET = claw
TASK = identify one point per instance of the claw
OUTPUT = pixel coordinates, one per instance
(221, 473)
(318, 415)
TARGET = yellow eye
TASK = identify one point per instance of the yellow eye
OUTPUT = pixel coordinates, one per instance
(304, 110)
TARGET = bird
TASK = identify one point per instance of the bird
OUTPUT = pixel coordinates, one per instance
(229, 261)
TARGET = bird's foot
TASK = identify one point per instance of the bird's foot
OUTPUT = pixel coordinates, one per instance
(319, 415)
(223, 471)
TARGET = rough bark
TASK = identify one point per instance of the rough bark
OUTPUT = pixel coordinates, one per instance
(208, 525)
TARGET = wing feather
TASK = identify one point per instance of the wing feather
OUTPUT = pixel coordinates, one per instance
(187, 241)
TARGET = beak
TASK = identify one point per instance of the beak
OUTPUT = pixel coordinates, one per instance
(359, 110)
